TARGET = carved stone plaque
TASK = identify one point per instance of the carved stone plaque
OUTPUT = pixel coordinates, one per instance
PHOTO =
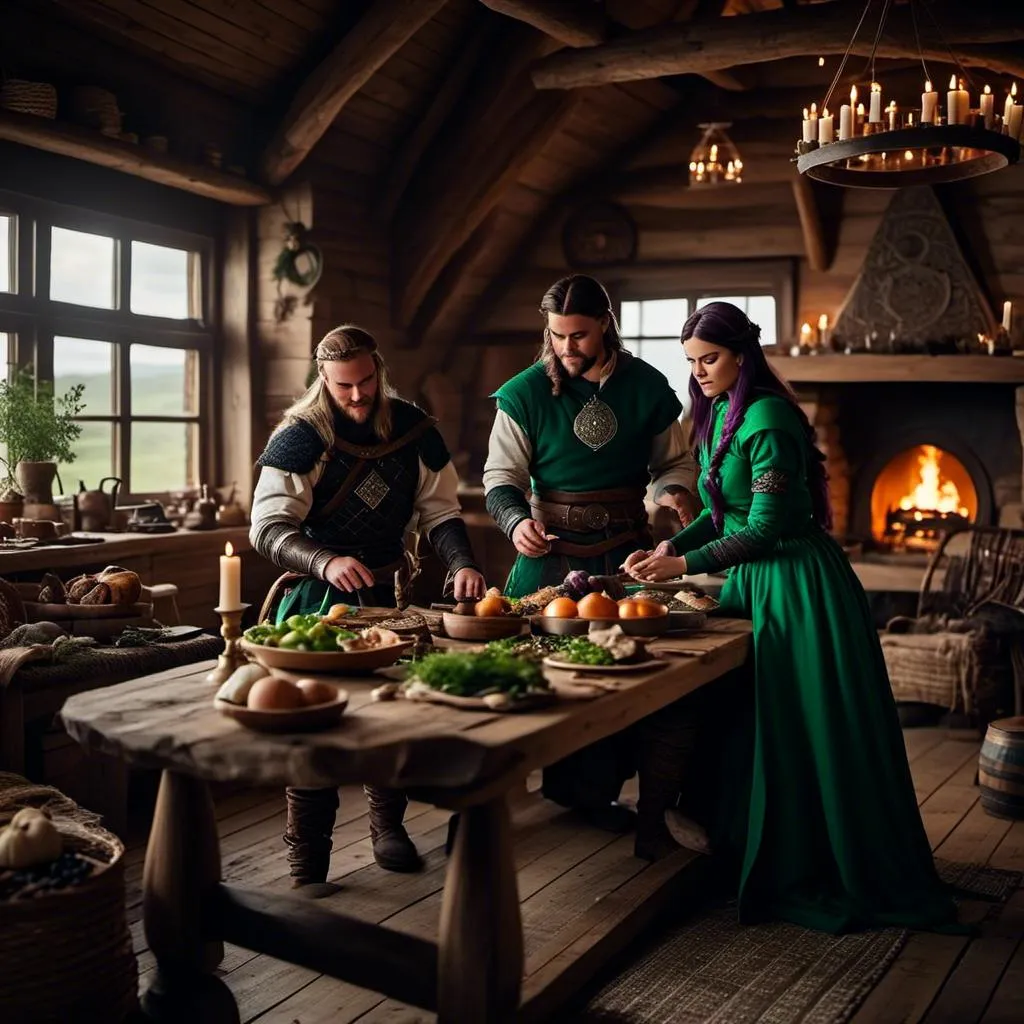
(914, 283)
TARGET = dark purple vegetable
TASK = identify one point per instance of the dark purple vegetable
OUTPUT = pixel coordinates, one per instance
(577, 584)
(611, 585)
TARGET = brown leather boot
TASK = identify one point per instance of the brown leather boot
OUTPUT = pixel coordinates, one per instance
(308, 833)
(665, 745)
(393, 850)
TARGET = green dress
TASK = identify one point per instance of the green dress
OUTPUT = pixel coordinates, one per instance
(644, 405)
(817, 812)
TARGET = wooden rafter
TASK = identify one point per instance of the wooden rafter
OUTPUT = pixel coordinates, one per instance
(385, 27)
(716, 44)
(572, 22)
(810, 223)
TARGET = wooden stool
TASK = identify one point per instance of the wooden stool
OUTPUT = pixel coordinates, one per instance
(167, 592)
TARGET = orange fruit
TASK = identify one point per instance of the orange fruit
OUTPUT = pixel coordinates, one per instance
(597, 606)
(641, 608)
(561, 608)
(488, 607)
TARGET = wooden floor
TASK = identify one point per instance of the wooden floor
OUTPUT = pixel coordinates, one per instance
(571, 880)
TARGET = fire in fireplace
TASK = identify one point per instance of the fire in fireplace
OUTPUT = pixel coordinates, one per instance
(922, 492)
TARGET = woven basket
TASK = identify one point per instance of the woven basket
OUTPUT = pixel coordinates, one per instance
(38, 98)
(67, 956)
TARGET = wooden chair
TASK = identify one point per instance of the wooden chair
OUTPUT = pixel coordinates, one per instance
(964, 650)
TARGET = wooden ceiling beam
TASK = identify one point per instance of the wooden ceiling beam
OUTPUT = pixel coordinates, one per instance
(717, 44)
(385, 27)
(572, 22)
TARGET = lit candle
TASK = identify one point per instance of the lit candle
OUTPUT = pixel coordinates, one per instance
(1007, 315)
(808, 135)
(230, 580)
(825, 128)
(891, 115)
(806, 336)
(1011, 98)
(845, 122)
(860, 113)
(823, 322)
(929, 104)
(875, 112)
(957, 102)
(1013, 129)
(988, 107)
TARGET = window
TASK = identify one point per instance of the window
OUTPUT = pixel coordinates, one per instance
(651, 328)
(121, 308)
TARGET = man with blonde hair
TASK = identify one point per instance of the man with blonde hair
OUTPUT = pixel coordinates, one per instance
(348, 470)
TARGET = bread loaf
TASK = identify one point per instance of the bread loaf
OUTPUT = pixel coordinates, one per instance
(125, 585)
(100, 594)
(79, 587)
(51, 590)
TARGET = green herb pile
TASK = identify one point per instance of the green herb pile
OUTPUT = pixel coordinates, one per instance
(581, 651)
(299, 633)
(535, 647)
(141, 636)
(473, 674)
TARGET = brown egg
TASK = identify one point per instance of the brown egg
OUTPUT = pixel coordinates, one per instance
(273, 694)
(316, 692)
(597, 606)
(641, 608)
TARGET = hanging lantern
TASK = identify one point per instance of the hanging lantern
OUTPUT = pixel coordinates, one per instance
(715, 160)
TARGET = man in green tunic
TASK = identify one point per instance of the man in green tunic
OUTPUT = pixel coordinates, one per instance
(584, 431)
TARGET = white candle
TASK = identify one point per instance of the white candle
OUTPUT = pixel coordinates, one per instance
(952, 102)
(825, 128)
(806, 335)
(808, 135)
(1010, 100)
(1007, 315)
(988, 107)
(929, 104)
(860, 113)
(230, 580)
(963, 108)
(845, 122)
(875, 112)
(890, 112)
(1015, 121)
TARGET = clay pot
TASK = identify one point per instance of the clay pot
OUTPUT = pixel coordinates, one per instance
(11, 509)
(35, 479)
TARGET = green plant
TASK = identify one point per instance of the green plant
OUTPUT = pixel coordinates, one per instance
(35, 424)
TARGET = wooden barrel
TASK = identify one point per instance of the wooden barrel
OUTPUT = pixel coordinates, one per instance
(1001, 768)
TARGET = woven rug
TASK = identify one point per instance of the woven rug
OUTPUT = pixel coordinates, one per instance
(712, 970)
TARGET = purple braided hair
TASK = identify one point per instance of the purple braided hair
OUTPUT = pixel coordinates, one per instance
(726, 325)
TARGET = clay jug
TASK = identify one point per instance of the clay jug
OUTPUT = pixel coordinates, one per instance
(96, 508)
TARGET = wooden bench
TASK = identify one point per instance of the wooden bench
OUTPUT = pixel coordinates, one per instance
(454, 759)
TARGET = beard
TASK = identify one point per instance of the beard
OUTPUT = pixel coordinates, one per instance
(578, 366)
(359, 412)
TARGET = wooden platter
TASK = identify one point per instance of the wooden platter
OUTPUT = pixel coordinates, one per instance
(335, 662)
(318, 716)
(554, 626)
(647, 665)
(529, 702)
(480, 629)
(58, 613)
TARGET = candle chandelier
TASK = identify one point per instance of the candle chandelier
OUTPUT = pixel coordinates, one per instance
(882, 146)
(715, 160)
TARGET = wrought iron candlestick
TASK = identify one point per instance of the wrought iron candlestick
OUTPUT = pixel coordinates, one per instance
(233, 656)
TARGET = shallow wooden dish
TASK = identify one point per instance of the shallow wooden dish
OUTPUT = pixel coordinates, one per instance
(335, 662)
(317, 716)
(62, 612)
(647, 665)
(482, 628)
(527, 703)
(678, 620)
(654, 626)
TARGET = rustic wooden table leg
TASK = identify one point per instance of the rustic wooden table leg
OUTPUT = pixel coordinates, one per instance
(480, 956)
(182, 869)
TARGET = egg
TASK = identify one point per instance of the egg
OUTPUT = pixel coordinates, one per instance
(597, 606)
(273, 694)
(640, 608)
(561, 608)
(316, 692)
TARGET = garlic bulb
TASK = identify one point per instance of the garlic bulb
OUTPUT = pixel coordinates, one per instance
(30, 839)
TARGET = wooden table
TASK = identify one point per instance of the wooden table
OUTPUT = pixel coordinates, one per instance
(465, 761)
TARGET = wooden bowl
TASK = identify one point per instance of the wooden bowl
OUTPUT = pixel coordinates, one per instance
(686, 619)
(481, 628)
(308, 719)
(654, 626)
(335, 662)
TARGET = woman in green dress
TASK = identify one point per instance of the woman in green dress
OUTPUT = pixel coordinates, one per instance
(816, 811)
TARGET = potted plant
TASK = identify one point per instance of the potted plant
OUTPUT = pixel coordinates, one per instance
(37, 428)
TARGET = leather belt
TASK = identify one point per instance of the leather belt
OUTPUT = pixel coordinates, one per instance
(590, 511)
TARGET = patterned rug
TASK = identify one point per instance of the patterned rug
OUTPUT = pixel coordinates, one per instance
(712, 970)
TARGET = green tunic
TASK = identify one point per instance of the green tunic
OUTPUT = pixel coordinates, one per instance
(817, 811)
(644, 405)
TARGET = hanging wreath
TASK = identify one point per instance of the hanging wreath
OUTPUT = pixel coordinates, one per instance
(300, 263)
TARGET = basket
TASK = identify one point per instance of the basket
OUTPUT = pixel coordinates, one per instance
(67, 955)
(38, 98)
(93, 107)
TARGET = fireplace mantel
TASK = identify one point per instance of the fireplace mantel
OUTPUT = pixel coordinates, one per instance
(899, 369)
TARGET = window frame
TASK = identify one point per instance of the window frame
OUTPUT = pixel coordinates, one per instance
(34, 319)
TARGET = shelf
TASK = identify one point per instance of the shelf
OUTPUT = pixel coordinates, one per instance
(899, 369)
(91, 146)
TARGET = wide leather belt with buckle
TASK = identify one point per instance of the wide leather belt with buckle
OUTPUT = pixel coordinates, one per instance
(587, 518)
